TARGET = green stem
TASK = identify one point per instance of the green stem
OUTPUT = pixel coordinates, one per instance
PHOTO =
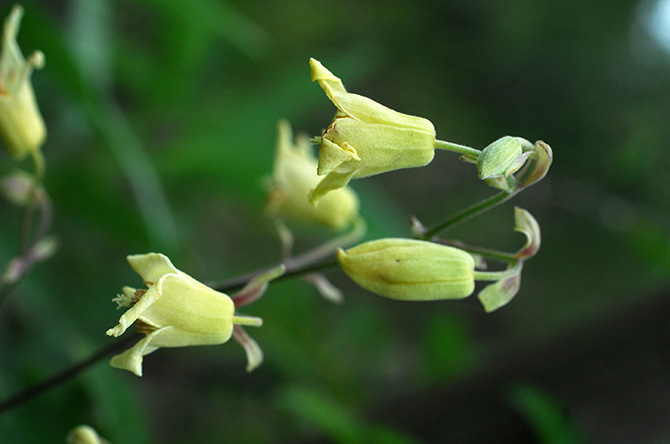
(495, 275)
(467, 213)
(29, 208)
(322, 256)
(456, 148)
(488, 253)
(40, 167)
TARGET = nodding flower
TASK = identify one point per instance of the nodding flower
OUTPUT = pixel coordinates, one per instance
(366, 138)
(294, 176)
(22, 128)
(174, 310)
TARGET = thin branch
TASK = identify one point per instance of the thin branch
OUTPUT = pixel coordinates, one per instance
(66, 374)
(468, 213)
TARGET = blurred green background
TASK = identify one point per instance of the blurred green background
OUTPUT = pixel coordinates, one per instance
(162, 117)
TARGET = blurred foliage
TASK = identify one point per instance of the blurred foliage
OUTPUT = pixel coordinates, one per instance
(161, 122)
(550, 423)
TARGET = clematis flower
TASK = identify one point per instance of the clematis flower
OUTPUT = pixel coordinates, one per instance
(21, 125)
(293, 178)
(366, 138)
(174, 311)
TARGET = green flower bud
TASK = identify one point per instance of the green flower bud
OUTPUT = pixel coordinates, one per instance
(501, 158)
(21, 125)
(366, 138)
(411, 270)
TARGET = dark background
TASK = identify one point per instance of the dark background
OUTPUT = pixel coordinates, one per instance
(161, 117)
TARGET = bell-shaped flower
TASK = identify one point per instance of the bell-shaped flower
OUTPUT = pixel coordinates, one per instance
(294, 176)
(366, 138)
(174, 311)
(409, 269)
(21, 125)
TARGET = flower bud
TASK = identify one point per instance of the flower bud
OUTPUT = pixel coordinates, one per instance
(501, 158)
(293, 178)
(84, 434)
(411, 270)
(366, 138)
(21, 125)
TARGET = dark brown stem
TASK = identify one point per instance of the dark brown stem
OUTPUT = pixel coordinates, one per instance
(66, 374)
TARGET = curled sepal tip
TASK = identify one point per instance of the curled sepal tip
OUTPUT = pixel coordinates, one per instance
(256, 287)
(38, 252)
(537, 166)
(325, 288)
(500, 293)
(251, 348)
(525, 223)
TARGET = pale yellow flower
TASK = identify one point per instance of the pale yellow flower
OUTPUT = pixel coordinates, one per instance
(366, 138)
(21, 125)
(174, 311)
(409, 269)
(294, 176)
(84, 434)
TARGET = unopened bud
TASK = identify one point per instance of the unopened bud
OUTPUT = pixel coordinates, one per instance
(84, 434)
(501, 158)
(411, 270)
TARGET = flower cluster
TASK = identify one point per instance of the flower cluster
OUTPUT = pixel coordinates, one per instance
(365, 138)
